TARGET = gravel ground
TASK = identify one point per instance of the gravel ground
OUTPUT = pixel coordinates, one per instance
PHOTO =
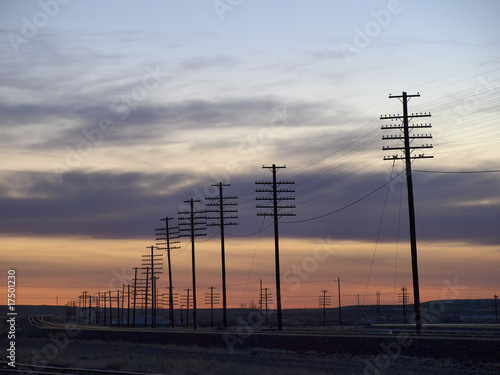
(177, 360)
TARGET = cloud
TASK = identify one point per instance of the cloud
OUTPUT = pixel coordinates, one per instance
(128, 205)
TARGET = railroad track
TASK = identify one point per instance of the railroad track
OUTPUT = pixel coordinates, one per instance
(23, 368)
(434, 331)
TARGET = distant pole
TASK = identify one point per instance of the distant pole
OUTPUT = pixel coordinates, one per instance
(105, 308)
(187, 308)
(168, 236)
(496, 315)
(407, 149)
(276, 213)
(194, 226)
(378, 300)
(146, 299)
(261, 299)
(128, 305)
(404, 300)
(90, 308)
(323, 303)
(135, 297)
(265, 289)
(118, 307)
(340, 310)
(110, 310)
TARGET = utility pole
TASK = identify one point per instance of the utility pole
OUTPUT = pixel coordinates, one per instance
(324, 301)
(194, 227)
(167, 237)
(90, 308)
(403, 297)
(276, 213)
(212, 299)
(110, 310)
(340, 310)
(84, 298)
(496, 315)
(118, 308)
(104, 298)
(128, 306)
(135, 297)
(146, 299)
(268, 297)
(378, 300)
(187, 307)
(407, 148)
(220, 208)
(153, 260)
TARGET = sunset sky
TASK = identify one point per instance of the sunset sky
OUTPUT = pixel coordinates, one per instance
(112, 113)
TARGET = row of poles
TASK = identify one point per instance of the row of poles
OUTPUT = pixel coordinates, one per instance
(192, 223)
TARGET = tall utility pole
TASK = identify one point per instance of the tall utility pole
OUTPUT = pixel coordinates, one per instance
(194, 227)
(220, 208)
(167, 237)
(276, 213)
(407, 148)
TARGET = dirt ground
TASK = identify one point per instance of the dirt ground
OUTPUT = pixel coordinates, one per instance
(180, 360)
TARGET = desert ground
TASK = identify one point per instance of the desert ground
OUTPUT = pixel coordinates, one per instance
(307, 348)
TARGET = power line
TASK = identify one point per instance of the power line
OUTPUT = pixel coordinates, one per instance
(346, 206)
(457, 172)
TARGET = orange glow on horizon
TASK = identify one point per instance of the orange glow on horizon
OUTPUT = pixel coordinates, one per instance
(60, 269)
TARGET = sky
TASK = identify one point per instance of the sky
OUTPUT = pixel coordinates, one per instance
(113, 113)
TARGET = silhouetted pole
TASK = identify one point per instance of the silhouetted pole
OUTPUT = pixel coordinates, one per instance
(146, 299)
(221, 209)
(169, 235)
(110, 310)
(187, 308)
(135, 297)
(105, 318)
(340, 310)
(90, 309)
(496, 316)
(128, 305)
(194, 227)
(407, 149)
(323, 302)
(84, 298)
(276, 213)
(404, 300)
